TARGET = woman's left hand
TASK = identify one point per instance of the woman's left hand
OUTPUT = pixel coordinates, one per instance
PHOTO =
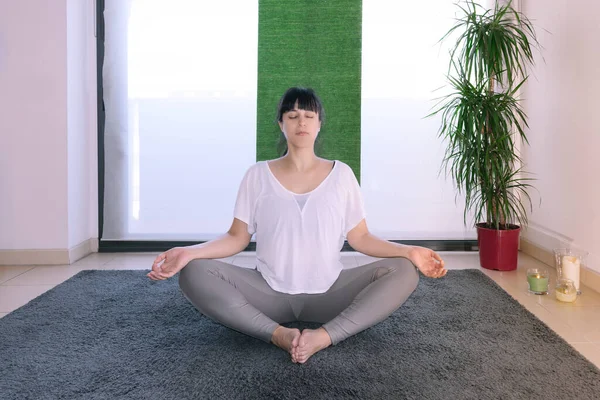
(427, 261)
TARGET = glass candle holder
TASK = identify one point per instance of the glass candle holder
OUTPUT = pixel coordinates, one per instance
(568, 265)
(565, 291)
(537, 278)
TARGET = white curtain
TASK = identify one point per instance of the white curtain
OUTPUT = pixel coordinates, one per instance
(180, 93)
(402, 66)
(180, 82)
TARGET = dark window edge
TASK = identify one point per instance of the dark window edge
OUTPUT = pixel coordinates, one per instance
(134, 246)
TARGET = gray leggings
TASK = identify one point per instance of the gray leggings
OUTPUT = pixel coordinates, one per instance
(241, 299)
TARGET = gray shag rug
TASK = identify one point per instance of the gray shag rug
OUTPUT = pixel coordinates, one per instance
(119, 335)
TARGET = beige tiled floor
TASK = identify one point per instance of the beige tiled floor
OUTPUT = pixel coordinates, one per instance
(578, 323)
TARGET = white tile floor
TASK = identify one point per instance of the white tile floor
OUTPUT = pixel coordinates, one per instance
(578, 323)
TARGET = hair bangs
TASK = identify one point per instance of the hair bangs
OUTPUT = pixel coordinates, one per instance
(306, 99)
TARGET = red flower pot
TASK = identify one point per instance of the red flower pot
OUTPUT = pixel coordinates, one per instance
(498, 249)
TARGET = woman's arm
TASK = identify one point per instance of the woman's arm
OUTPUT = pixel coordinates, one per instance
(426, 260)
(229, 244)
(174, 260)
(364, 242)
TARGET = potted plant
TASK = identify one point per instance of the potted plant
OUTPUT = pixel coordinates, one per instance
(481, 120)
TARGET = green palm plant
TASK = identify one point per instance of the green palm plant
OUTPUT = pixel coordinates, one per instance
(482, 117)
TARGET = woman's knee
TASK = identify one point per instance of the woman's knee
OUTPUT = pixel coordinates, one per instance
(411, 275)
(192, 275)
(402, 271)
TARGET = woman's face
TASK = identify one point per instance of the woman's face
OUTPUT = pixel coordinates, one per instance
(300, 127)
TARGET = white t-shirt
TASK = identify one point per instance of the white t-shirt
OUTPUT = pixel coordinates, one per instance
(298, 248)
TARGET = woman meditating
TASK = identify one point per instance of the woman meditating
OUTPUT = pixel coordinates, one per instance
(301, 208)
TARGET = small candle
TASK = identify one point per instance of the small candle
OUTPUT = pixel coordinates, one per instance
(538, 282)
(565, 290)
(570, 269)
(564, 295)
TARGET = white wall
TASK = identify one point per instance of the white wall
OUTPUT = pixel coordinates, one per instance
(33, 125)
(561, 100)
(47, 125)
(82, 122)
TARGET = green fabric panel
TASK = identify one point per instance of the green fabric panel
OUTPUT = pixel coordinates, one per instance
(317, 44)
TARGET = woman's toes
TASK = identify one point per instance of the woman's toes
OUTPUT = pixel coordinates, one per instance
(296, 340)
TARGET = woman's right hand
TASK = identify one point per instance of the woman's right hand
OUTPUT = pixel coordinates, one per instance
(169, 263)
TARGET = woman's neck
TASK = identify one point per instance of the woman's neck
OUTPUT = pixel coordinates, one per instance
(300, 160)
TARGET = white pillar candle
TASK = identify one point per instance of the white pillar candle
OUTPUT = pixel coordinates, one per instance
(570, 267)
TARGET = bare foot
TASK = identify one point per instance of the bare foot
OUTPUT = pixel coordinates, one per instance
(311, 341)
(287, 339)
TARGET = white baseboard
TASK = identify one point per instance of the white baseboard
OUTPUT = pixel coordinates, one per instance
(94, 244)
(544, 237)
(49, 256)
(547, 240)
(82, 249)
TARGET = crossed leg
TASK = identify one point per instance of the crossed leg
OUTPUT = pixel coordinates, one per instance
(240, 299)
